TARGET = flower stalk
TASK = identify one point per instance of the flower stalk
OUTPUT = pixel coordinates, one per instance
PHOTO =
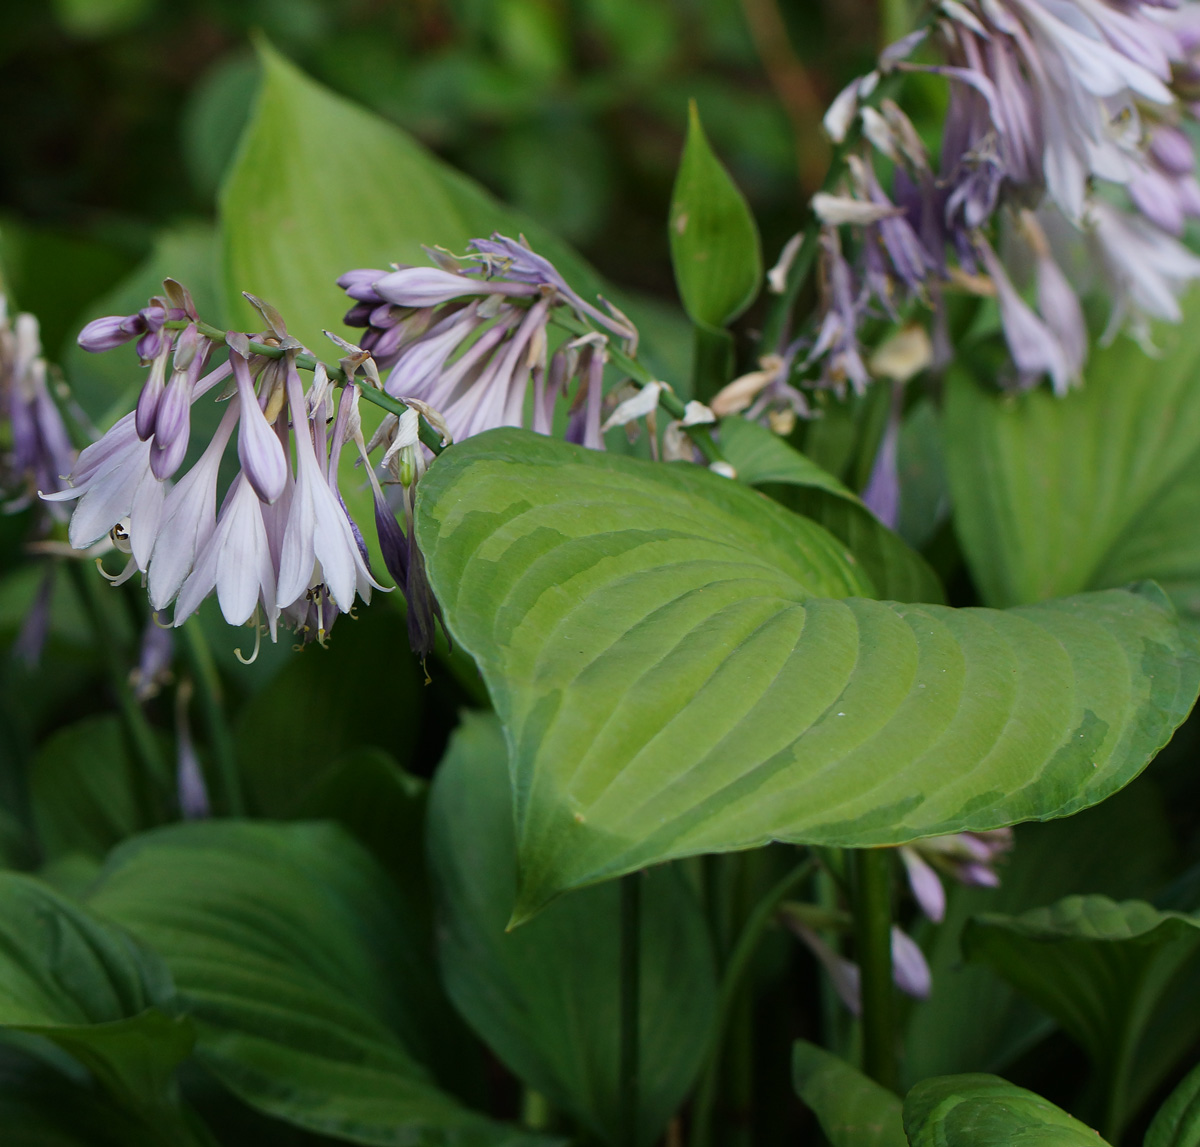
(871, 879)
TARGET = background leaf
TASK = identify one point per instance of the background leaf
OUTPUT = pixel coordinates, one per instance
(1177, 1123)
(675, 676)
(853, 1111)
(88, 988)
(1054, 496)
(84, 790)
(715, 247)
(984, 1111)
(546, 997)
(1048, 862)
(292, 952)
(1101, 968)
(321, 708)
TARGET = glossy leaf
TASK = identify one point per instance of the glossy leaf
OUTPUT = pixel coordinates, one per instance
(764, 459)
(715, 246)
(1097, 966)
(86, 986)
(84, 791)
(546, 997)
(289, 949)
(1177, 1123)
(1101, 488)
(676, 673)
(853, 1111)
(985, 1111)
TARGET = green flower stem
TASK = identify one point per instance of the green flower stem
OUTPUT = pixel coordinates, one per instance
(208, 690)
(871, 874)
(712, 361)
(631, 1010)
(429, 436)
(142, 739)
(732, 983)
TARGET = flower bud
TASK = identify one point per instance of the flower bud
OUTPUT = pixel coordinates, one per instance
(110, 331)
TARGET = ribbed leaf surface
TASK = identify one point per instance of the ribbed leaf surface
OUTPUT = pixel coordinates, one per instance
(1054, 496)
(986, 1111)
(683, 667)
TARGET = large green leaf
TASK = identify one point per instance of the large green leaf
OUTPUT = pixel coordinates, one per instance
(985, 1111)
(85, 985)
(321, 186)
(1048, 862)
(1097, 489)
(1177, 1123)
(289, 949)
(1099, 967)
(763, 459)
(676, 674)
(546, 997)
(853, 1111)
(714, 240)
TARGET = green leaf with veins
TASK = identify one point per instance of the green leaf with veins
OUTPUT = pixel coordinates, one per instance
(89, 988)
(1057, 495)
(546, 997)
(763, 459)
(682, 666)
(985, 1111)
(1099, 967)
(307, 983)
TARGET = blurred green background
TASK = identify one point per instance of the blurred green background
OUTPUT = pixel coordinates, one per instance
(118, 117)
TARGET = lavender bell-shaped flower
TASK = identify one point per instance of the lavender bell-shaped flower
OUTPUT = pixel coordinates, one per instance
(968, 857)
(235, 561)
(320, 551)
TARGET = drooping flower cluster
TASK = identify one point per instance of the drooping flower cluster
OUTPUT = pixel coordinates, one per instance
(1062, 148)
(469, 336)
(281, 545)
(463, 342)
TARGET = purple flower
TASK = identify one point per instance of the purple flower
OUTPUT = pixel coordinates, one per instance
(910, 970)
(319, 546)
(468, 343)
(42, 454)
(235, 562)
(968, 857)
